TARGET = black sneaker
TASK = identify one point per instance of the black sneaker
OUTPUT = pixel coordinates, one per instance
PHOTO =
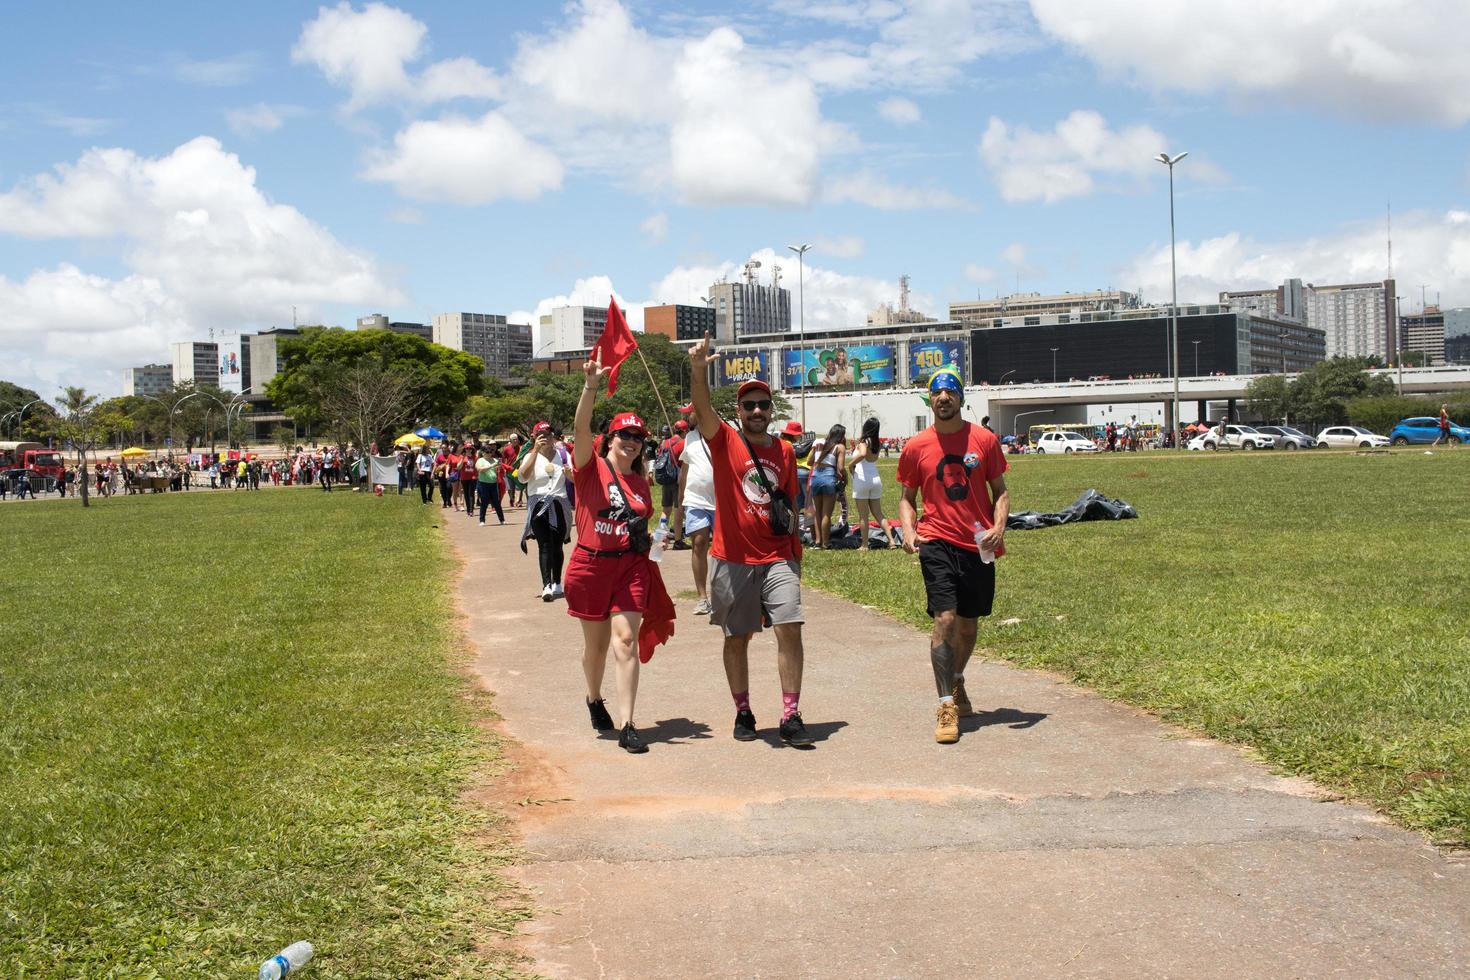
(793, 732)
(744, 726)
(631, 740)
(601, 720)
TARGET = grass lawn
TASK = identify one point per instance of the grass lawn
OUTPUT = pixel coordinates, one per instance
(231, 721)
(1312, 605)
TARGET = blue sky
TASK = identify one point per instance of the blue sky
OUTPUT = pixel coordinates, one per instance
(210, 166)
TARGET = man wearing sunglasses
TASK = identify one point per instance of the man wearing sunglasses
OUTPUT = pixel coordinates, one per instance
(756, 574)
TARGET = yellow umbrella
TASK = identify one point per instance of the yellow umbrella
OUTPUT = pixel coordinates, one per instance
(408, 439)
(132, 452)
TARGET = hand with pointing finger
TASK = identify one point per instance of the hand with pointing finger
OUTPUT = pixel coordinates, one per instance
(699, 354)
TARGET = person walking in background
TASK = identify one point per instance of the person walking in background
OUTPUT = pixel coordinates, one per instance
(867, 485)
(509, 453)
(441, 474)
(423, 465)
(487, 475)
(468, 478)
(405, 468)
(610, 580)
(824, 479)
(756, 574)
(959, 468)
(548, 511)
(1444, 426)
(697, 511)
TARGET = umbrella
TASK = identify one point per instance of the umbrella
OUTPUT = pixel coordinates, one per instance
(408, 439)
(428, 432)
(132, 452)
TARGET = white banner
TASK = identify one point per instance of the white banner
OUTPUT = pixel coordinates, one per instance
(384, 470)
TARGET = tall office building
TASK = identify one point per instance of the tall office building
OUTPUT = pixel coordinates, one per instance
(148, 379)
(488, 336)
(571, 328)
(746, 308)
(266, 359)
(678, 322)
(1424, 333)
(377, 321)
(1286, 302)
(196, 362)
(1359, 318)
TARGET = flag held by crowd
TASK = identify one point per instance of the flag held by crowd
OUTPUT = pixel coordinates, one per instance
(615, 344)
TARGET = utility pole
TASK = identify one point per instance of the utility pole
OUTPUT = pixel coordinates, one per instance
(1169, 162)
(801, 251)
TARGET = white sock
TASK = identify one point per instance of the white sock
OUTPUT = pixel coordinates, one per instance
(949, 698)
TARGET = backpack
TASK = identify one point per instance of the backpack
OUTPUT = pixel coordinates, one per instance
(665, 470)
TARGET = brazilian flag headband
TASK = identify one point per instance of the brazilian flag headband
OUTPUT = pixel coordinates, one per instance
(946, 378)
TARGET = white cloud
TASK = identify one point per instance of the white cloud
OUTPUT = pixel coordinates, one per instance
(466, 161)
(602, 65)
(260, 118)
(220, 72)
(79, 126)
(1363, 58)
(839, 247)
(655, 227)
(203, 248)
(1030, 166)
(589, 291)
(367, 53)
(723, 150)
(1427, 248)
(1014, 253)
(873, 190)
(975, 272)
(903, 112)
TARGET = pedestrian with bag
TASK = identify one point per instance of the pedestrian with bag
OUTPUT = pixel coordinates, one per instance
(548, 511)
(487, 475)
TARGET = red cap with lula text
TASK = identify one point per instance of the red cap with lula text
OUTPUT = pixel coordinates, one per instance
(540, 427)
(626, 420)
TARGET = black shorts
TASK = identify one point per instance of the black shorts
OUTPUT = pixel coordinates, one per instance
(669, 493)
(955, 578)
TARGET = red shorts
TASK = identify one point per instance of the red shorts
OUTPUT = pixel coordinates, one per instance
(597, 587)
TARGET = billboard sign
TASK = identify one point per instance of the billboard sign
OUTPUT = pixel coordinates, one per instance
(744, 365)
(928, 356)
(837, 366)
(231, 365)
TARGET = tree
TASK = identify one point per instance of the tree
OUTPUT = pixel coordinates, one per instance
(78, 427)
(445, 378)
(1321, 393)
(40, 419)
(1270, 396)
(367, 400)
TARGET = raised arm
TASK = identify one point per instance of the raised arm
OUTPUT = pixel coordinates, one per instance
(704, 412)
(593, 373)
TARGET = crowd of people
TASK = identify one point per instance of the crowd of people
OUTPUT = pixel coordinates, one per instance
(746, 499)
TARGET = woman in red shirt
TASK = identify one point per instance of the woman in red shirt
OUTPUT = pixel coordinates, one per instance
(608, 580)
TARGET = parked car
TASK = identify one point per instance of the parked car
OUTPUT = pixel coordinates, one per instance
(1424, 430)
(1288, 438)
(1065, 442)
(1236, 437)
(1348, 436)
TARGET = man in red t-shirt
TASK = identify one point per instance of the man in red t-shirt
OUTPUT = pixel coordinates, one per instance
(756, 574)
(960, 469)
(508, 455)
(669, 492)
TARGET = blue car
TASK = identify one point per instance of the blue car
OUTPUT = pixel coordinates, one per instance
(1425, 430)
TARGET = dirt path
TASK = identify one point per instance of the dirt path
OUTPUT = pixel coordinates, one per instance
(1063, 835)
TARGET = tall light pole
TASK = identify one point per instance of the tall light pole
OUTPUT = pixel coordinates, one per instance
(20, 416)
(171, 413)
(801, 251)
(1169, 162)
(1398, 332)
(1054, 364)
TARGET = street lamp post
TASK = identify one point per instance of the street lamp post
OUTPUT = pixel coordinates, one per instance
(1284, 335)
(173, 411)
(1398, 331)
(1196, 357)
(1054, 364)
(801, 251)
(1169, 162)
(20, 416)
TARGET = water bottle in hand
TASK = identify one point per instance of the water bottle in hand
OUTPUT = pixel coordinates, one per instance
(656, 553)
(986, 555)
(288, 960)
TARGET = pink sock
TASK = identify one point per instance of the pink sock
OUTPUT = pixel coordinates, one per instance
(742, 701)
(789, 701)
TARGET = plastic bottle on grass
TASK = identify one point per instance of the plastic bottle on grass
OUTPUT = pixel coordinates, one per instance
(287, 961)
(656, 553)
(986, 555)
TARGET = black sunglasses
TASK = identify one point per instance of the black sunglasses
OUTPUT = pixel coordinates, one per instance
(764, 405)
(629, 435)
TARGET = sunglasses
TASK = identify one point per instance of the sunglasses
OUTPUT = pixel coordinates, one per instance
(762, 405)
(629, 435)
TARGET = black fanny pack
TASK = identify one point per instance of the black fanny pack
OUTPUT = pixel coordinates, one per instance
(780, 508)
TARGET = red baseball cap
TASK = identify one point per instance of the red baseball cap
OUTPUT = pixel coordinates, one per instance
(793, 428)
(681, 426)
(540, 427)
(627, 420)
(686, 409)
(753, 384)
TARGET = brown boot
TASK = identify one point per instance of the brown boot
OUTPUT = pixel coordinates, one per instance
(962, 700)
(947, 725)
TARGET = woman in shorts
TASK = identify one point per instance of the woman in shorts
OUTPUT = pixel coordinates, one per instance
(826, 468)
(867, 485)
(608, 581)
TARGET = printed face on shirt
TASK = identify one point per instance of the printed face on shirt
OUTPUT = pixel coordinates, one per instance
(954, 476)
(617, 501)
(751, 487)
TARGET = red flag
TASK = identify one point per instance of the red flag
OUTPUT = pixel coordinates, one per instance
(615, 344)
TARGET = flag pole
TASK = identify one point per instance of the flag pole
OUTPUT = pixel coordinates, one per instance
(654, 385)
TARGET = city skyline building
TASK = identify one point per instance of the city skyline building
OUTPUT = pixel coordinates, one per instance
(266, 359)
(1424, 333)
(488, 336)
(195, 361)
(377, 321)
(570, 328)
(747, 308)
(1038, 304)
(677, 321)
(148, 379)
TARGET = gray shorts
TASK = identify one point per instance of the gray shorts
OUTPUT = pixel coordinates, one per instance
(740, 594)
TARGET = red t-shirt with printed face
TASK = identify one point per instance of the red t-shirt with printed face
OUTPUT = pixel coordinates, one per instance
(952, 471)
(597, 496)
(743, 522)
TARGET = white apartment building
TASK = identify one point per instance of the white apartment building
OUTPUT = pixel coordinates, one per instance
(1358, 318)
(195, 361)
(488, 336)
(149, 379)
(568, 329)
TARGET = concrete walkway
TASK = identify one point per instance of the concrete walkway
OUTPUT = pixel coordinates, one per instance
(1063, 835)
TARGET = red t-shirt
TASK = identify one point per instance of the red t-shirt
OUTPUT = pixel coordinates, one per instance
(466, 467)
(743, 526)
(508, 454)
(953, 471)
(596, 491)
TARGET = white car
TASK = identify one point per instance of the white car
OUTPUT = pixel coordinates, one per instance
(1236, 437)
(1339, 436)
(1065, 442)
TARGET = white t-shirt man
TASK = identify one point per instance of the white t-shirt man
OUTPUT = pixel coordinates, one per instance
(699, 484)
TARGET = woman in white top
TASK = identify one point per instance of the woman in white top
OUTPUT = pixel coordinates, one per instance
(867, 485)
(828, 471)
(548, 511)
